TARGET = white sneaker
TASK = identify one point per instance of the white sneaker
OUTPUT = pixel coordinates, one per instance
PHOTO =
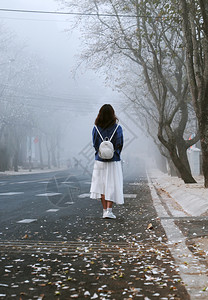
(110, 215)
(105, 214)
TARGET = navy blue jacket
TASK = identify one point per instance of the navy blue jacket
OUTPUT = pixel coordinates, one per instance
(117, 141)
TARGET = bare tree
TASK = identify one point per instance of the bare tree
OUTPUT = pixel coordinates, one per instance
(183, 123)
(18, 75)
(134, 31)
(195, 28)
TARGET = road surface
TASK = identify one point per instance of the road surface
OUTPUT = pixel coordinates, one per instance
(55, 245)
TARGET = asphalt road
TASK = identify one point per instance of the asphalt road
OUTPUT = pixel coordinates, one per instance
(54, 243)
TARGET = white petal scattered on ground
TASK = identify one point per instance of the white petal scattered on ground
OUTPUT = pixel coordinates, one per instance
(4, 285)
(95, 296)
(86, 293)
(27, 221)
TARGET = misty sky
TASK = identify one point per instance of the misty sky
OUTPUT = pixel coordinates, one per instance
(45, 38)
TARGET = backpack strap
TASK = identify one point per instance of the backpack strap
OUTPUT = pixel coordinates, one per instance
(99, 133)
(113, 133)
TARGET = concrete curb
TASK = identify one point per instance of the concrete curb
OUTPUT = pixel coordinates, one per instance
(192, 272)
(193, 198)
(34, 171)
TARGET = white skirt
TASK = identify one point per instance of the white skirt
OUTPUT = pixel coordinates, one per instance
(107, 179)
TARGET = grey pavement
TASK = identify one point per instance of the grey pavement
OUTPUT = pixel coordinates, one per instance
(55, 247)
(191, 197)
(182, 209)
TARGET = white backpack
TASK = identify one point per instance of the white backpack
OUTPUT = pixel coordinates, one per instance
(106, 148)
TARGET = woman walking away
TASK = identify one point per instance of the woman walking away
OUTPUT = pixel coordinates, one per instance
(107, 177)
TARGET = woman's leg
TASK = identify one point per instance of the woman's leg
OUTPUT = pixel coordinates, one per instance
(109, 204)
(107, 208)
(104, 202)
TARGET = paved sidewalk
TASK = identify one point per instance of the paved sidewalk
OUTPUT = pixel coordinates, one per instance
(193, 198)
(183, 212)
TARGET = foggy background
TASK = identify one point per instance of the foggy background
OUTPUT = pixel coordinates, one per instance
(59, 102)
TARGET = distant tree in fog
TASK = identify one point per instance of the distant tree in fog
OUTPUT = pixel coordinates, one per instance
(19, 78)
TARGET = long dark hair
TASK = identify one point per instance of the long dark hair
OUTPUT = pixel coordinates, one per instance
(106, 116)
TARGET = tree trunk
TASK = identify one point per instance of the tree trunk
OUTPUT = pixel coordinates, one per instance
(54, 162)
(205, 164)
(179, 164)
(185, 174)
(4, 159)
(30, 153)
(15, 160)
(204, 147)
(58, 159)
(49, 160)
(40, 153)
(196, 46)
(182, 153)
(49, 155)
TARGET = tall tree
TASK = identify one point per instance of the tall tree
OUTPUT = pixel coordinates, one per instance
(134, 31)
(183, 124)
(195, 28)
